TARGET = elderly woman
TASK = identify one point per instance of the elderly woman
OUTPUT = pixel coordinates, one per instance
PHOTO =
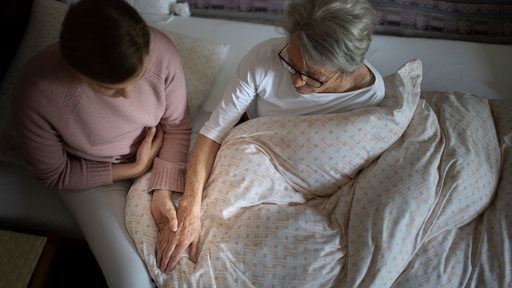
(319, 68)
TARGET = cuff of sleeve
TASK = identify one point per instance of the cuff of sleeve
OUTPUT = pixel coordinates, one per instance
(166, 175)
(212, 135)
(99, 174)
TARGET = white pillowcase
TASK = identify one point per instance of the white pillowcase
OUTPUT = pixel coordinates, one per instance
(201, 59)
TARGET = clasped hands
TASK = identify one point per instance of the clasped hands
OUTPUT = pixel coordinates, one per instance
(178, 228)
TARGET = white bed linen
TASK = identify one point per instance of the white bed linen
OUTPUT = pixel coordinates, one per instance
(397, 196)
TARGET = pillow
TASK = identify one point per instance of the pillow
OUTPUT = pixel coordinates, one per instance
(201, 61)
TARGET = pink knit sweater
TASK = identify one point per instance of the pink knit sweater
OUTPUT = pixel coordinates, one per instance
(72, 135)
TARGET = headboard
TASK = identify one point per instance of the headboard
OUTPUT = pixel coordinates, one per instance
(476, 21)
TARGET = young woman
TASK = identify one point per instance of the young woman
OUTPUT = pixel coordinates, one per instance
(100, 107)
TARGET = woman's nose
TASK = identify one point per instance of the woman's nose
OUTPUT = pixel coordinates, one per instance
(297, 80)
(124, 92)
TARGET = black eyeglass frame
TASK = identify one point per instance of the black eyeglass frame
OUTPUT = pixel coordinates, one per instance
(290, 68)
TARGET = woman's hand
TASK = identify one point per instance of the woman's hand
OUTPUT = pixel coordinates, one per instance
(163, 211)
(171, 243)
(149, 149)
(147, 152)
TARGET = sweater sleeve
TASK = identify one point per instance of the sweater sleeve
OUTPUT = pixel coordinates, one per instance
(170, 166)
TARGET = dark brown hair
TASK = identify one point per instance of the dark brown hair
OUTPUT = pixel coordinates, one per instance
(105, 40)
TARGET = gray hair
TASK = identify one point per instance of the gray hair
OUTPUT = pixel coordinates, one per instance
(331, 33)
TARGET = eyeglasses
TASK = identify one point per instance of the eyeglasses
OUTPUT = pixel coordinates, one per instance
(311, 81)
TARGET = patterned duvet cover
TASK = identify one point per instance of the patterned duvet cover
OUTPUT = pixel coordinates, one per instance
(413, 193)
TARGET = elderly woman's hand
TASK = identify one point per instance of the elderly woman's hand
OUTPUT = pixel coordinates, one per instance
(176, 232)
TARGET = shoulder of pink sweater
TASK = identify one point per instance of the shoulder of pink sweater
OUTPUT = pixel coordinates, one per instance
(162, 45)
(45, 80)
(164, 58)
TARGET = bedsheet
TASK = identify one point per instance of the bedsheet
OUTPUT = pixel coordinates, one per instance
(408, 194)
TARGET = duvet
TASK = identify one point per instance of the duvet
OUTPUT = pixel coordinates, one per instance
(413, 193)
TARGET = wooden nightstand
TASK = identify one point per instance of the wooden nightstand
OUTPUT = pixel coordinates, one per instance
(26, 259)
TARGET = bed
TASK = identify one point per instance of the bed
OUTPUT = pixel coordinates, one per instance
(413, 193)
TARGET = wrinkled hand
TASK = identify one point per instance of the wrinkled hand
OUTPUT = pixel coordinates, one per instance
(149, 148)
(163, 210)
(175, 232)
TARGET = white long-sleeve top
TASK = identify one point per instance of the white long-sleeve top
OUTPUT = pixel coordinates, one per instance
(263, 87)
